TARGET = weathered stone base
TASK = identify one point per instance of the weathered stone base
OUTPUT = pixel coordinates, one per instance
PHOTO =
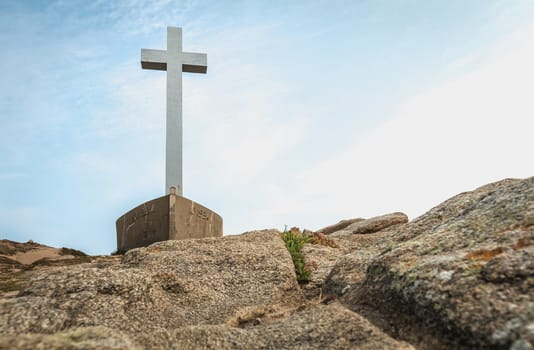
(168, 217)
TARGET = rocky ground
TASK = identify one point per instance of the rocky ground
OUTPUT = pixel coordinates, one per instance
(460, 276)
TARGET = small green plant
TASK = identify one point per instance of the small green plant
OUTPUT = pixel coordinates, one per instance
(294, 241)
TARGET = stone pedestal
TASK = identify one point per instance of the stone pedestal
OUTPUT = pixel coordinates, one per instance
(168, 217)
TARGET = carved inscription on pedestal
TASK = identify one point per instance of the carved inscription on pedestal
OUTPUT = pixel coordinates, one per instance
(193, 220)
(144, 225)
(200, 213)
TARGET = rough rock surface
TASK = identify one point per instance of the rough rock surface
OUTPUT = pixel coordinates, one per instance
(460, 276)
(94, 338)
(31, 252)
(235, 291)
(19, 260)
(372, 225)
(312, 327)
(463, 272)
(167, 285)
(321, 260)
(339, 226)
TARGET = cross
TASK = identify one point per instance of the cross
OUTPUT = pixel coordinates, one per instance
(174, 61)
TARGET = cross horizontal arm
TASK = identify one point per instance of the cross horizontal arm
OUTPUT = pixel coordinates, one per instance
(154, 59)
(194, 62)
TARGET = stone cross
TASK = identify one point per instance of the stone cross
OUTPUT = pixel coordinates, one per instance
(174, 61)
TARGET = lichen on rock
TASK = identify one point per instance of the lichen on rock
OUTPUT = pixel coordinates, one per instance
(463, 271)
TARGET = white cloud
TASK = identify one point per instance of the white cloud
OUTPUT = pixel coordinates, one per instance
(246, 148)
(239, 119)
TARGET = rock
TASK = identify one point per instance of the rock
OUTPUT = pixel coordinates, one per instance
(372, 225)
(320, 259)
(315, 327)
(339, 226)
(358, 252)
(88, 338)
(324, 327)
(30, 252)
(167, 285)
(19, 260)
(222, 293)
(515, 265)
(326, 262)
(310, 327)
(462, 272)
(348, 272)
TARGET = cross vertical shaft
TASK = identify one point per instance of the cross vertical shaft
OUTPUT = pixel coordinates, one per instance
(174, 61)
(174, 132)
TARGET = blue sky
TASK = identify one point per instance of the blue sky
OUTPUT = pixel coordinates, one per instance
(311, 111)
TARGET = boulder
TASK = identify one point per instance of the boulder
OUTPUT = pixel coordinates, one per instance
(326, 262)
(338, 226)
(320, 260)
(311, 327)
(372, 225)
(214, 293)
(356, 252)
(460, 276)
(31, 252)
(87, 338)
(166, 285)
(314, 327)
(19, 260)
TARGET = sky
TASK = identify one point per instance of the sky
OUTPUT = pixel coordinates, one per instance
(310, 112)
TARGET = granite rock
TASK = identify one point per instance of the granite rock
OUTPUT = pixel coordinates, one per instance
(339, 226)
(166, 285)
(312, 327)
(462, 272)
(215, 293)
(83, 338)
(372, 225)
